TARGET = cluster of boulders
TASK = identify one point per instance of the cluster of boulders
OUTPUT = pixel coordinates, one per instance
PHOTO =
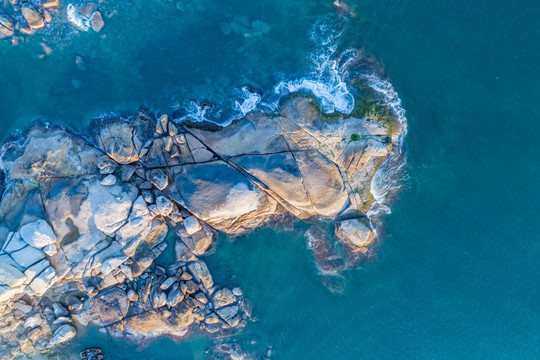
(82, 220)
(166, 302)
(25, 17)
(20, 18)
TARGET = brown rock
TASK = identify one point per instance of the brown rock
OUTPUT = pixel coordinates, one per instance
(97, 22)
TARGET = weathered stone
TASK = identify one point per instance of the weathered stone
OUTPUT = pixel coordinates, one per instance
(223, 298)
(116, 140)
(43, 281)
(158, 178)
(132, 295)
(163, 206)
(109, 180)
(6, 27)
(38, 234)
(59, 310)
(237, 291)
(25, 308)
(33, 320)
(200, 272)
(354, 233)
(106, 165)
(32, 15)
(106, 308)
(192, 225)
(14, 243)
(10, 275)
(167, 283)
(97, 22)
(221, 196)
(62, 334)
(74, 303)
(228, 313)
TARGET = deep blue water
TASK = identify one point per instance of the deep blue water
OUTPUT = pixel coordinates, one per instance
(457, 272)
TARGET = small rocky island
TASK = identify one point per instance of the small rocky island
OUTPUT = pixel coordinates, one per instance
(84, 216)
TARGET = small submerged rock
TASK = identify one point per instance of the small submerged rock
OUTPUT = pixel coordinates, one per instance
(97, 22)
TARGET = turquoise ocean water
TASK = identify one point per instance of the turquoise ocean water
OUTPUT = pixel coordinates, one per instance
(457, 272)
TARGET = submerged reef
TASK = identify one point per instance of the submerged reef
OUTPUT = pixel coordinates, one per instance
(83, 217)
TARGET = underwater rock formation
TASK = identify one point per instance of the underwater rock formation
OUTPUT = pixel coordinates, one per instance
(83, 219)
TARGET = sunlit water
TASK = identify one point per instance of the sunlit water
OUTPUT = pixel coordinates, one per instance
(457, 271)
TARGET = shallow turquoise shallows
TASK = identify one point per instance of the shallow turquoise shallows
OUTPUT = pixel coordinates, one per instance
(457, 275)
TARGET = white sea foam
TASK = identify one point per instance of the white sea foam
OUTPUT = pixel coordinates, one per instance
(326, 81)
(195, 112)
(76, 20)
(248, 101)
(390, 176)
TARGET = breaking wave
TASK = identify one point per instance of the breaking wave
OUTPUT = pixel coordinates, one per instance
(326, 82)
(391, 175)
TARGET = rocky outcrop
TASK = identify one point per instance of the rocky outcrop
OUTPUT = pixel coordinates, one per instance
(81, 223)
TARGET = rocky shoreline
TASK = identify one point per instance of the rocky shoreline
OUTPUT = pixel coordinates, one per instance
(83, 219)
(22, 18)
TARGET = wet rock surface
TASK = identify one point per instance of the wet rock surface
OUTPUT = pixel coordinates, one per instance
(82, 222)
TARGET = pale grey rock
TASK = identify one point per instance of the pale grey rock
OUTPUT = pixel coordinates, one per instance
(62, 320)
(38, 234)
(14, 243)
(74, 303)
(33, 321)
(25, 308)
(50, 250)
(59, 310)
(106, 308)
(127, 172)
(142, 227)
(35, 270)
(237, 291)
(159, 299)
(148, 196)
(174, 297)
(192, 225)
(10, 275)
(106, 165)
(228, 313)
(43, 281)
(223, 298)
(110, 205)
(47, 152)
(162, 207)
(354, 232)
(64, 333)
(109, 180)
(28, 256)
(168, 283)
(158, 178)
(200, 272)
(116, 139)
(221, 196)
(132, 295)
(182, 252)
(112, 263)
